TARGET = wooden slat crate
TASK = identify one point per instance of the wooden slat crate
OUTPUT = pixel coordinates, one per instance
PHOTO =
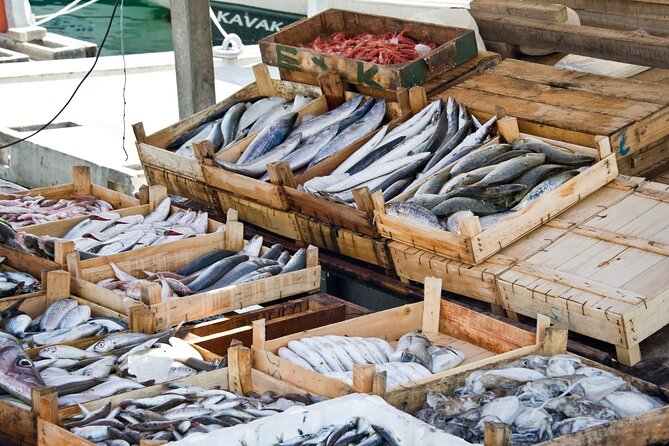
(475, 246)
(185, 176)
(80, 185)
(278, 320)
(238, 377)
(284, 49)
(606, 277)
(572, 106)
(64, 247)
(480, 337)
(640, 430)
(174, 256)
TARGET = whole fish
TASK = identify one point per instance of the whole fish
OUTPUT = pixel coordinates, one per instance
(414, 213)
(18, 375)
(511, 169)
(554, 154)
(543, 188)
(94, 223)
(230, 122)
(319, 123)
(256, 110)
(269, 138)
(477, 206)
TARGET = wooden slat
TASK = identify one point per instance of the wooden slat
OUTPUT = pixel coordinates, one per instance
(531, 10)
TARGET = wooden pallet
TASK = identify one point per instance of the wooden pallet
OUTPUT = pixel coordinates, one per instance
(63, 248)
(284, 50)
(571, 106)
(479, 337)
(472, 246)
(80, 185)
(606, 277)
(279, 320)
(185, 176)
(647, 428)
(238, 377)
(171, 257)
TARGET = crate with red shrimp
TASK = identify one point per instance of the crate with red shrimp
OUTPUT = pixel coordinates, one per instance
(452, 329)
(167, 302)
(62, 201)
(375, 53)
(471, 244)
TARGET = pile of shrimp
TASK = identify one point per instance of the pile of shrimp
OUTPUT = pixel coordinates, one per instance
(384, 49)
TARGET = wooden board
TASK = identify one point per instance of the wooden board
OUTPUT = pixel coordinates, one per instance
(476, 247)
(479, 337)
(571, 106)
(605, 277)
(171, 257)
(284, 49)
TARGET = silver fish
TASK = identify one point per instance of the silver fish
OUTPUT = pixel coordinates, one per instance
(18, 374)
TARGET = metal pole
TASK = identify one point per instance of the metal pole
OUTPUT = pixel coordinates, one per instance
(191, 36)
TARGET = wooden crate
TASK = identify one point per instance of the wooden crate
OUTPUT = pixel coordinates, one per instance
(63, 248)
(348, 243)
(480, 337)
(185, 176)
(640, 430)
(171, 257)
(571, 106)
(238, 377)
(278, 320)
(80, 185)
(474, 246)
(283, 49)
(606, 276)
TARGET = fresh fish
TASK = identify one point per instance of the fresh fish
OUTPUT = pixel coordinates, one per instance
(66, 352)
(479, 158)
(478, 207)
(256, 110)
(18, 374)
(160, 213)
(55, 313)
(95, 223)
(269, 138)
(453, 221)
(511, 169)
(319, 123)
(230, 122)
(203, 261)
(414, 213)
(215, 271)
(18, 325)
(362, 152)
(543, 188)
(553, 154)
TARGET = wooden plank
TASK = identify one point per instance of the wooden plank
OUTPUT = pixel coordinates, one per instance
(496, 434)
(584, 40)
(239, 370)
(531, 10)
(81, 179)
(431, 305)
(363, 377)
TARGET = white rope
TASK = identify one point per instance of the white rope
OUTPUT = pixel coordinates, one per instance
(68, 11)
(232, 45)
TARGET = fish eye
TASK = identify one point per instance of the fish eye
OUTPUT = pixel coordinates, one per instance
(24, 362)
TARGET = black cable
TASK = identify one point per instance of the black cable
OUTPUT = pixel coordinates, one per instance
(125, 82)
(97, 56)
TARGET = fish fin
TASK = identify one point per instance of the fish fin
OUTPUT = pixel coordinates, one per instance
(83, 409)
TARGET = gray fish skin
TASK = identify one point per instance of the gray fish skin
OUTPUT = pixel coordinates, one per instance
(120, 340)
(544, 187)
(66, 352)
(92, 433)
(509, 155)
(428, 201)
(258, 167)
(76, 316)
(204, 261)
(94, 223)
(319, 123)
(433, 184)
(18, 325)
(269, 138)
(557, 155)
(395, 189)
(18, 374)
(270, 118)
(186, 149)
(479, 158)
(215, 271)
(365, 125)
(355, 116)
(62, 335)
(375, 155)
(252, 248)
(456, 204)
(55, 312)
(535, 176)
(230, 122)
(445, 148)
(274, 252)
(239, 271)
(308, 149)
(414, 213)
(297, 262)
(487, 193)
(160, 213)
(257, 110)
(511, 169)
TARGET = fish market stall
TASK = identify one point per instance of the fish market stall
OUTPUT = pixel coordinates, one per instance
(236, 394)
(64, 201)
(412, 344)
(196, 278)
(276, 320)
(377, 55)
(546, 396)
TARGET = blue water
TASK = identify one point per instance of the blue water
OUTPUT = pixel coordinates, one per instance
(146, 27)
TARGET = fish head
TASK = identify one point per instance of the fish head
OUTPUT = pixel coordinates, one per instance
(103, 346)
(19, 374)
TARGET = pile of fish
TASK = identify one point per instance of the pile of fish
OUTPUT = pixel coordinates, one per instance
(14, 282)
(26, 210)
(393, 160)
(108, 233)
(216, 269)
(540, 397)
(236, 121)
(62, 321)
(314, 139)
(357, 432)
(413, 358)
(177, 412)
(492, 181)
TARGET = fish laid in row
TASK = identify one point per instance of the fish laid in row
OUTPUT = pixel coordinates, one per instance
(179, 411)
(355, 432)
(211, 271)
(108, 233)
(65, 320)
(13, 282)
(26, 210)
(236, 121)
(540, 397)
(414, 357)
